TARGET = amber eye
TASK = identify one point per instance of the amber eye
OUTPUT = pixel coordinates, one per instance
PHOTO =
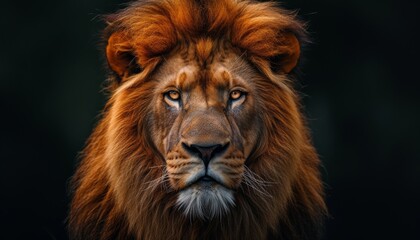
(173, 95)
(236, 94)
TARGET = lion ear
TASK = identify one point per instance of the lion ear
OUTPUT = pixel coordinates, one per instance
(287, 54)
(121, 56)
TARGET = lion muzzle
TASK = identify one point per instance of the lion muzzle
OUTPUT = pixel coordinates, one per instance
(206, 174)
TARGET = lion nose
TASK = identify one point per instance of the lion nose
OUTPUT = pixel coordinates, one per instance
(206, 153)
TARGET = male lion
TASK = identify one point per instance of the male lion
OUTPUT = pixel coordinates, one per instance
(202, 137)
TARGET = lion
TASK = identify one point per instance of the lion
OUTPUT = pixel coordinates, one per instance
(202, 136)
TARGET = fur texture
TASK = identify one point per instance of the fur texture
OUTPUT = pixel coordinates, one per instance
(185, 73)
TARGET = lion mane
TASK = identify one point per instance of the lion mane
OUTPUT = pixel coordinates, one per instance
(268, 185)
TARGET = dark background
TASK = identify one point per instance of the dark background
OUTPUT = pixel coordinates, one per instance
(361, 93)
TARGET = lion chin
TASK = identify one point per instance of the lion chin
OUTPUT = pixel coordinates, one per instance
(205, 200)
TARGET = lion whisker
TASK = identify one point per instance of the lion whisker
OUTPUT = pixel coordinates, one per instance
(161, 181)
(258, 178)
(258, 190)
(255, 184)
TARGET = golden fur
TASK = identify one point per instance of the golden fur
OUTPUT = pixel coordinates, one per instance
(191, 73)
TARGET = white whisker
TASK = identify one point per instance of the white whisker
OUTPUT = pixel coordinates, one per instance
(161, 181)
(255, 182)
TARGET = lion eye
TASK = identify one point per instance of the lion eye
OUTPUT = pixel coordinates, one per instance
(236, 94)
(236, 98)
(172, 98)
(173, 95)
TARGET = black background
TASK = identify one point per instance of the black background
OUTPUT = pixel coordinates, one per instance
(361, 96)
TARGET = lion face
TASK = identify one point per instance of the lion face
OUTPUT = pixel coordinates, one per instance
(205, 127)
(202, 118)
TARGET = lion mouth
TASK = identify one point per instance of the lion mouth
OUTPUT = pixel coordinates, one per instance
(206, 178)
(206, 181)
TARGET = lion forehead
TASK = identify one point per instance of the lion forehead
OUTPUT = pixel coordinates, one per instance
(185, 73)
